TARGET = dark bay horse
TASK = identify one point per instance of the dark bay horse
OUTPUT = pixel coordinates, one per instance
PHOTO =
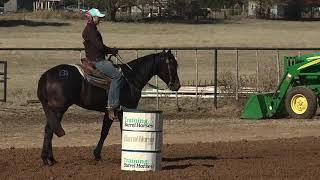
(63, 85)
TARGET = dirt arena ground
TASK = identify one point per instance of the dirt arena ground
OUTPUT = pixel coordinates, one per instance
(297, 158)
(194, 148)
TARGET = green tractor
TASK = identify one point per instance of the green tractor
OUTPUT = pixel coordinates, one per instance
(296, 94)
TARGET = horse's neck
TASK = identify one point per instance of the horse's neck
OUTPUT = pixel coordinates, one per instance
(144, 70)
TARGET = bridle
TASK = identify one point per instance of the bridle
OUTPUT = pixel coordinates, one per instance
(170, 77)
(170, 83)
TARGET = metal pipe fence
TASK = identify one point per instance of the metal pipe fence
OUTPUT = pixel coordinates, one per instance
(214, 91)
(3, 80)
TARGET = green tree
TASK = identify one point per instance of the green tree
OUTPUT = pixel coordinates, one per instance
(113, 6)
(99, 4)
(218, 4)
(70, 2)
(293, 10)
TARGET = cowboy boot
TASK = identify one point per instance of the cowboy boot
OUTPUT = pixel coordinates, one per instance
(112, 114)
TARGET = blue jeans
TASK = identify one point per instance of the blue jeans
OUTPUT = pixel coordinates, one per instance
(108, 69)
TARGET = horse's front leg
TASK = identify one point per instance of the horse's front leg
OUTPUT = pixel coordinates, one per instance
(120, 116)
(47, 154)
(104, 133)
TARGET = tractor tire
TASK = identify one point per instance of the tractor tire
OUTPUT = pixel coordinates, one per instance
(301, 103)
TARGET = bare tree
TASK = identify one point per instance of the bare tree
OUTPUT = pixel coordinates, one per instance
(114, 5)
(141, 5)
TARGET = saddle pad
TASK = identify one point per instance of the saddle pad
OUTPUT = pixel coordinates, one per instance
(94, 77)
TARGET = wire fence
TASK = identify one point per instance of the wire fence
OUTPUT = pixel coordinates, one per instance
(212, 64)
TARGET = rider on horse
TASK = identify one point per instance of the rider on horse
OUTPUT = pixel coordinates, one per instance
(96, 52)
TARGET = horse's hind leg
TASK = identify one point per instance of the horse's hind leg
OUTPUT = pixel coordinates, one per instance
(52, 118)
(47, 154)
(104, 133)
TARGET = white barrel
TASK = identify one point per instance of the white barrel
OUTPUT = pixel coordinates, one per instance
(140, 161)
(141, 140)
(142, 120)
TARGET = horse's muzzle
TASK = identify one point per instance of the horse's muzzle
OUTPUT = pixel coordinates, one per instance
(174, 86)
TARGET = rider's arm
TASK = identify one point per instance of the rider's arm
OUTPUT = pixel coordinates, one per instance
(112, 51)
(95, 38)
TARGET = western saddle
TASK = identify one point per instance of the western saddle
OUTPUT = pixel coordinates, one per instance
(93, 75)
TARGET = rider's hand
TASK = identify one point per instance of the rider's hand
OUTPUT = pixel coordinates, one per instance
(114, 51)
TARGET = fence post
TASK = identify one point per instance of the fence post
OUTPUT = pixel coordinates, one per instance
(158, 103)
(215, 64)
(278, 65)
(237, 75)
(257, 70)
(177, 100)
(4, 81)
(197, 77)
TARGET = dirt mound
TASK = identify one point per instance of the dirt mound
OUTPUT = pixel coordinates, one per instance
(281, 159)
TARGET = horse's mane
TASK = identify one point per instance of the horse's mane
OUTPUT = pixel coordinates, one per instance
(141, 62)
(142, 59)
(139, 66)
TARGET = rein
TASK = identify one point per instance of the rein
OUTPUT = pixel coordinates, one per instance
(119, 58)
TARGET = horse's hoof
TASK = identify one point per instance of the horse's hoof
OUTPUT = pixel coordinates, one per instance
(49, 162)
(97, 155)
(60, 133)
(45, 162)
